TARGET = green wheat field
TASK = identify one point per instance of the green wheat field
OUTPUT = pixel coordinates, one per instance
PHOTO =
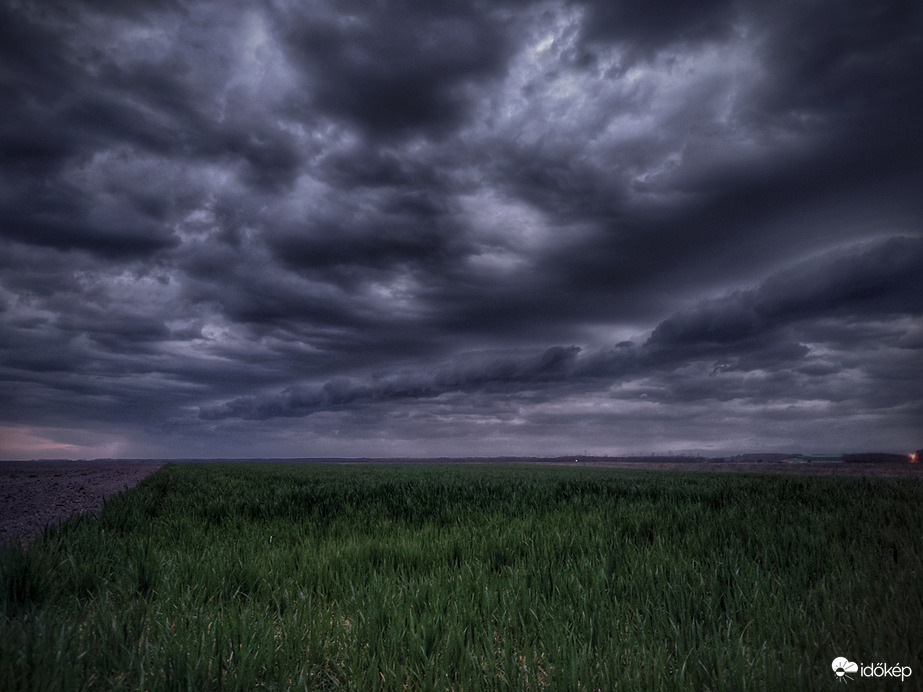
(468, 577)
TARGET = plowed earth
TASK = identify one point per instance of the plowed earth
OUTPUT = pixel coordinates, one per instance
(38, 493)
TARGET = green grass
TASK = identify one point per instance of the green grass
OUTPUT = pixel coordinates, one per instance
(467, 577)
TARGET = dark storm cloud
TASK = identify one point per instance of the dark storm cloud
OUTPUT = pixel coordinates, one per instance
(649, 25)
(849, 54)
(394, 236)
(499, 374)
(753, 330)
(883, 281)
(418, 227)
(396, 68)
(70, 109)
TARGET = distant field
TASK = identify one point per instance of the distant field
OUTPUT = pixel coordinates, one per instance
(466, 577)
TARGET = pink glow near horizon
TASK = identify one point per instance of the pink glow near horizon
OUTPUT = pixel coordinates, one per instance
(28, 442)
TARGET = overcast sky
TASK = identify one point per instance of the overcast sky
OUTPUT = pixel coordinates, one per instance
(432, 227)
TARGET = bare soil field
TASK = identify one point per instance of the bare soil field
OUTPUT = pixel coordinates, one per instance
(36, 493)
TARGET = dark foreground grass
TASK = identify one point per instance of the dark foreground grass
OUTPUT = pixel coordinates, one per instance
(468, 577)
